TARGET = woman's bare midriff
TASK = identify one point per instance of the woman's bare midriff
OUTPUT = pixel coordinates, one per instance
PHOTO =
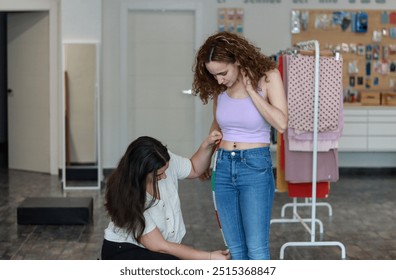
(229, 145)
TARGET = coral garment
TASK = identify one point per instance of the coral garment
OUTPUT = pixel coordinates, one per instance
(300, 190)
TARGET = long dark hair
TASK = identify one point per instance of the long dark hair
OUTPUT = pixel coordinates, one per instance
(126, 186)
(228, 48)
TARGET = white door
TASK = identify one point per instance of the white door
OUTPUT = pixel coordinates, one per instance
(28, 103)
(160, 58)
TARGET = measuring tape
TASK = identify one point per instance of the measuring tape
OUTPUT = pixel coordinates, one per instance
(213, 179)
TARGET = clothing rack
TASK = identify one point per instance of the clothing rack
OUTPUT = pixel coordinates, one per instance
(296, 218)
(307, 47)
(306, 202)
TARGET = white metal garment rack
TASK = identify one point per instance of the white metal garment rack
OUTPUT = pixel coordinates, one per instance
(308, 45)
(306, 203)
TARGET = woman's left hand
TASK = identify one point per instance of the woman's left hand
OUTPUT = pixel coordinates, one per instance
(214, 138)
(220, 255)
(246, 81)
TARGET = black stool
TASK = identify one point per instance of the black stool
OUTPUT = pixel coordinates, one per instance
(55, 211)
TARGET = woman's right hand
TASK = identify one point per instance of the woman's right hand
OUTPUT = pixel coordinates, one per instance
(206, 175)
(220, 255)
(214, 138)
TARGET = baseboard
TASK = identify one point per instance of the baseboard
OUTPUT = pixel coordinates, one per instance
(360, 171)
(378, 171)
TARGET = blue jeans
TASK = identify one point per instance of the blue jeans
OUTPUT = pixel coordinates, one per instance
(244, 191)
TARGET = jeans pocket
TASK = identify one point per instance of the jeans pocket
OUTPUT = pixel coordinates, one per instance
(258, 163)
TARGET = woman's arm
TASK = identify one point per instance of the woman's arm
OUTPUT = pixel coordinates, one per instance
(154, 241)
(273, 105)
(201, 159)
(215, 126)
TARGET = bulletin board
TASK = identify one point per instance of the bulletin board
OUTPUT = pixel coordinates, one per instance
(230, 19)
(369, 57)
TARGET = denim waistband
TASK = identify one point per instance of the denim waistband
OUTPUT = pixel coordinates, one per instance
(255, 152)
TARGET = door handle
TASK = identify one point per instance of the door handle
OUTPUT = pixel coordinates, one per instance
(187, 91)
(9, 91)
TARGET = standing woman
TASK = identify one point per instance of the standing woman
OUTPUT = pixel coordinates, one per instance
(248, 98)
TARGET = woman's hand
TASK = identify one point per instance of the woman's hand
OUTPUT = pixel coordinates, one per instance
(246, 81)
(213, 139)
(206, 175)
(220, 255)
(201, 159)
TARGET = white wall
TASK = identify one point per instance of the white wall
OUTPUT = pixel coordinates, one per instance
(25, 5)
(266, 24)
(81, 20)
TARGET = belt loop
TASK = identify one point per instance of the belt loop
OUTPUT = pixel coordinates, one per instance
(220, 153)
(241, 153)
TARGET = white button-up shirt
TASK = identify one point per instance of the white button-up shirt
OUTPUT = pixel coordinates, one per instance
(165, 213)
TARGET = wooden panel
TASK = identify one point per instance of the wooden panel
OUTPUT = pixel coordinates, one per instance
(333, 36)
(388, 99)
(370, 98)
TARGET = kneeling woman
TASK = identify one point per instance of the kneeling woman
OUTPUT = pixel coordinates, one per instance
(143, 203)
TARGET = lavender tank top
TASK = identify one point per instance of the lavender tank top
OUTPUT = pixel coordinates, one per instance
(240, 121)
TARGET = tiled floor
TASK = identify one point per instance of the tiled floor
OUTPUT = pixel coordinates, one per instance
(363, 220)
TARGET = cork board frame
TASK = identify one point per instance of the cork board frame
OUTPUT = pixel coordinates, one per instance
(332, 36)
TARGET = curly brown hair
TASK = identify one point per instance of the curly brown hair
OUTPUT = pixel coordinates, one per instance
(229, 48)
